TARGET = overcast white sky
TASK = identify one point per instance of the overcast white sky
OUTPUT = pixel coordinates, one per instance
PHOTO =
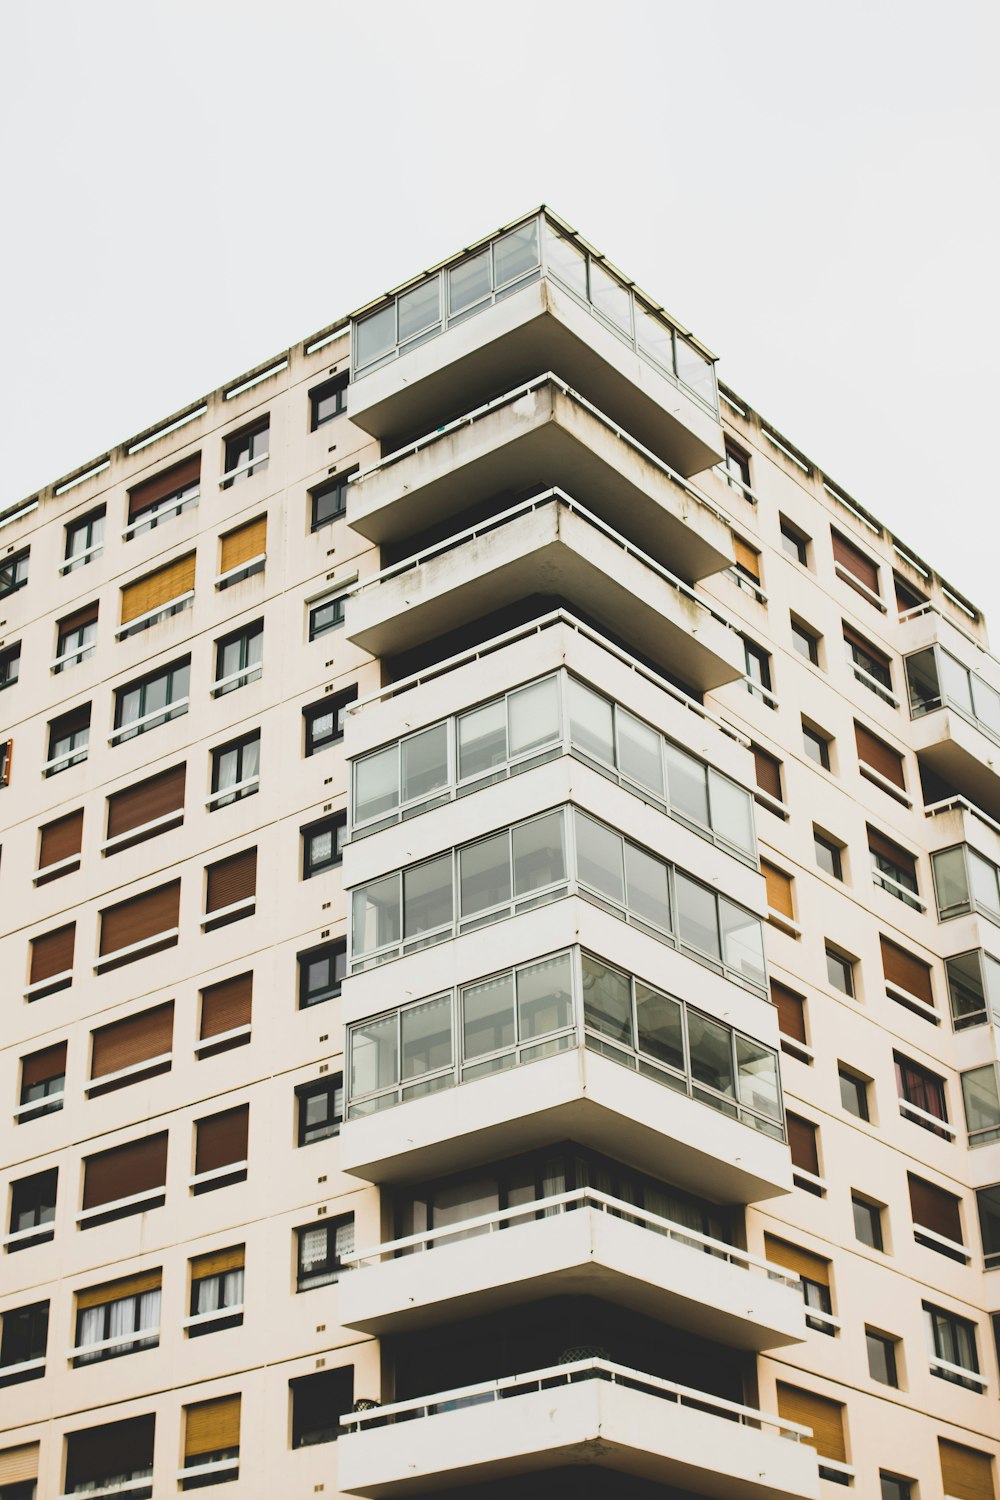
(192, 185)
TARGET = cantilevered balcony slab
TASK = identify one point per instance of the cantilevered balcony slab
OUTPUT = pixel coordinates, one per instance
(547, 546)
(541, 327)
(576, 1095)
(581, 1243)
(623, 1421)
(962, 754)
(543, 434)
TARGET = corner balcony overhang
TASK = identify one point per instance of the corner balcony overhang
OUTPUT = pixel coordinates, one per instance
(550, 545)
(543, 432)
(962, 754)
(581, 1243)
(575, 1095)
(587, 1413)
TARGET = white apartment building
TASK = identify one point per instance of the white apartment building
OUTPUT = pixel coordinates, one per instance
(501, 922)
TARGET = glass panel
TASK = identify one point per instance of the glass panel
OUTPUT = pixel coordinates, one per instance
(488, 1016)
(950, 882)
(427, 896)
(742, 941)
(955, 684)
(374, 1064)
(425, 762)
(425, 1036)
(539, 859)
(375, 336)
(758, 1074)
(992, 968)
(965, 987)
(482, 739)
(376, 915)
(607, 1001)
(922, 682)
(469, 283)
(697, 372)
(611, 298)
(376, 784)
(687, 785)
(697, 919)
(591, 723)
(454, 1203)
(599, 858)
(534, 715)
(484, 874)
(655, 339)
(732, 811)
(982, 1103)
(711, 1053)
(545, 997)
(983, 877)
(515, 253)
(564, 260)
(660, 1026)
(420, 309)
(639, 752)
(986, 704)
(647, 890)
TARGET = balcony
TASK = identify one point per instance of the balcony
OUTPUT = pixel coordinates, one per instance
(547, 546)
(543, 432)
(956, 714)
(590, 1412)
(578, 1243)
(533, 298)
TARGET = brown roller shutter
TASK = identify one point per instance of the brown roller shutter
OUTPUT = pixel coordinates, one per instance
(245, 542)
(226, 1005)
(853, 560)
(61, 839)
(799, 1262)
(158, 588)
(222, 1139)
(211, 1426)
(802, 1144)
(167, 482)
(79, 618)
(134, 1040)
(140, 918)
(231, 880)
(113, 1291)
(218, 1261)
(98, 1453)
(779, 889)
(19, 1465)
(854, 638)
(932, 1208)
(138, 1167)
(879, 844)
(791, 1011)
(52, 953)
(826, 1418)
(966, 1474)
(881, 757)
(908, 973)
(40, 1066)
(140, 804)
(768, 772)
(747, 557)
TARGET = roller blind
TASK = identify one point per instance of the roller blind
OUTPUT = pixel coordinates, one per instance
(881, 757)
(155, 797)
(906, 971)
(113, 1291)
(80, 617)
(20, 1464)
(826, 1418)
(134, 1040)
(799, 1262)
(802, 1144)
(52, 953)
(747, 557)
(226, 1005)
(932, 1208)
(218, 1261)
(98, 1453)
(40, 1066)
(158, 588)
(879, 844)
(138, 1167)
(179, 477)
(768, 772)
(245, 542)
(854, 638)
(966, 1474)
(211, 1426)
(231, 880)
(853, 560)
(791, 1011)
(141, 917)
(222, 1139)
(779, 889)
(61, 839)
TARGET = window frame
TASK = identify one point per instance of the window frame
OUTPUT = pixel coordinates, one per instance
(334, 950)
(335, 824)
(335, 597)
(336, 386)
(332, 1267)
(243, 786)
(834, 851)
(330, 1086)
(847, 967)
(234, 466)
(860, 1087)
(803, 636)
(16, 566)
(872, 1218)
(335, 706)
(75, 741)
(94, 520)
(174, 705)
(887, 1344)
(797, 547)
(10, 656)
(337, 486)
(249, 670)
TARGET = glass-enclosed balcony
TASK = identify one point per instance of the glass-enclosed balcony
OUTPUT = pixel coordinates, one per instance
(964, 881)
(973, 989)
(959, 732)
(532, 298)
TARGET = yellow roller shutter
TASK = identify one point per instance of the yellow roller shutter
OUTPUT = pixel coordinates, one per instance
(19, 1465)
(966, 1474)
(114, 1291)
(212, 1425)
(779, 889)
(158, 588)
(244, 543)
(218, 1261)
(799, 1262)
(826, 1418)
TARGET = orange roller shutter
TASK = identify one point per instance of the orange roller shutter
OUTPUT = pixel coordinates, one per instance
(799, 1262)
(168, 482)
(231, 880)
(40, 1066)
(133, 1040)
(52, 953)
(881, 757)
(825, 1417)
(779, 889)
(222, 1139)
(854, 561)
(61, 839)
(791, 1011)
(158, 588)
(226, 1005)
(244, 543)
(966, 1473)
(123, 1171)
(153, 798)
(212, 1426)
(140, 918)
(905, 971)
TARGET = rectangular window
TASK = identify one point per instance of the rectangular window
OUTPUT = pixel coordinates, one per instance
(84, 540)
(19, 1468)
(965, 881)
(794, 543)
(318, 1403)
(32, 1209)
(891, 1487)
(320, 1109)
(139, 1046)
(217, 1282)
(151, 701)
(791, 1010)
(825, 1417)
(76, 637)
(321, 1251)
(805, 642)
(321, 973)
(13, 573)
(854, 566)
(230, 889)
(893, 869)
(840, 971)
(747, 566)
(953, 1351)
(816, 746)
(146, 809)
(966, 1474)
(51, 963)
(906, 977)
(328, 400)
(737, 466)
(327, 614)
(141, 925)
(43, 1082)
(247, 452)
(973, 989)
(226, 1009)
(124, 1180)
(867, 1222)
(854, 1093)
(116, 1456)
(814, 1274)
(829, 857)
(328, 501)
(874, 755)
(6, 761)
(118, 1318)
(238, 658)
(803, 1145)
(10, 666)
(981, 1095)
(988, 1204)
(324, 721)
(69, 738)
(221, 1149)
(157, 595)
(758, 672)
(881, 1358)
(59, 845)
(872, 668)
(243, 553)
(779, 890)
(24, 1335)
(165, 495)
(235, 771)
(937, 1216)
(768, 772)
(212, 1442)
(322, 845)
(921, 1096)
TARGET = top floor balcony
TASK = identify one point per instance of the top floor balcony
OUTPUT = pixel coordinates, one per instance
(533, 297)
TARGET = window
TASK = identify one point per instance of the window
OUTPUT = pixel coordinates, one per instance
(854, 566)
(69, 738)
(51, 964)
(117, 1456)
(6, 761)
(243, 553)
(320, 1109)
(19, 1470)
(803, 1146)
(893, 869)
(805, 642)
(226, 1009)
(966, 1474)
(318, 1403)
(165, 495)
(10, 665)
(878, 761)
(882, 1358)
(325, 721)
(854, 1093)
(952, 1347)
(145, 809)
(814, 1273)
(135, 1048)
(779, 893)
(151, 701)
(871, 666)
(124, 1180)
(32, 1209)
(212, 1442)
(737, 466)
(936, 1216)
(794, 543)
(76, 638)
(825, 1417)
(118, 1318)
(230, 889)
(936, 679)
(867, 1222)
(328, 400)
(988, 1204)
(235, 771)
(238, 658)
(328, 502)
(758, 672)
(768, 773)
(321, 972)
(973, 989)
(247, 452)
(43, 1082)
(791, 1009)
(321, 1251)
(981, 1094)
(22, 1344)
(840, 971)
(217, 1291)
(907, 978)
(13, 573)
(322, 845)
(157, 595)
(327, 614)
(964, 881)
(84, 541)
(829, 857)
(220, 1154)
(894, 1488)
(816, 745)
(921, 1096)
(139, 926)
(747, 567)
